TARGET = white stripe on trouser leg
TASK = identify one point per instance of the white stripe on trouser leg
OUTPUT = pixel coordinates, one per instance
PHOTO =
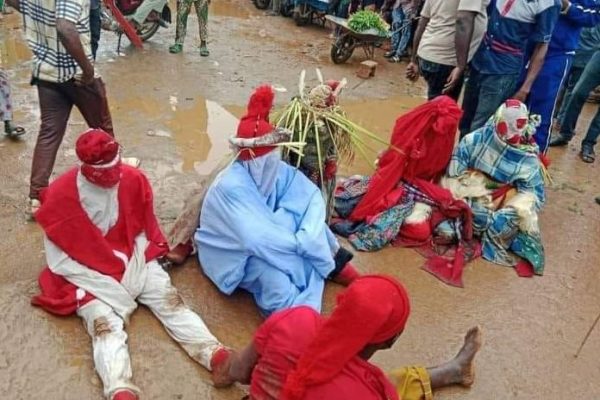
(109, 340)
(183, 325)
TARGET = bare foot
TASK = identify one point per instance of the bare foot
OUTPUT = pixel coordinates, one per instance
(466, 355)
(220, 365)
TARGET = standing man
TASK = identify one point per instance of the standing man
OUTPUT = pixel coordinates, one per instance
(6, 107)
(95, 25)
(58, 34)
(574, 17)
(183, 10)
(447, 37)
(590, 79)
(402, 14)
(496, 67)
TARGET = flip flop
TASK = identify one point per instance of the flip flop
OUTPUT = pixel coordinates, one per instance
(204, 51)
(176, 48)
(15, 131)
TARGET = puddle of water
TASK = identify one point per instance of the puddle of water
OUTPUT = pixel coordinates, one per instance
(220, 125)
(228, 9)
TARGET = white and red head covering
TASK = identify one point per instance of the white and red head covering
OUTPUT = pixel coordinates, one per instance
(512, 123)
(100, 158)
(255, 123)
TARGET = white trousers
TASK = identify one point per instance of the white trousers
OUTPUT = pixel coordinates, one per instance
(109, 339)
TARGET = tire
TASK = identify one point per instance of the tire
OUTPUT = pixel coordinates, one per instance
(261, 4)
(342, 49)
(299, 15)
(147, 30)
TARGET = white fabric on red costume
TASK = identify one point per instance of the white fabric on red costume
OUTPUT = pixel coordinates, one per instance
(102, 246)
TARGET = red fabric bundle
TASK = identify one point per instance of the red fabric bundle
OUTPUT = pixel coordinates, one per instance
(422, 143)
(372, 310)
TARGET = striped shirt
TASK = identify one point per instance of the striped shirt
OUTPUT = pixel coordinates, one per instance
(51, 61)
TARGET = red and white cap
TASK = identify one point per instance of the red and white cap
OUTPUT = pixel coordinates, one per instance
(100, 157)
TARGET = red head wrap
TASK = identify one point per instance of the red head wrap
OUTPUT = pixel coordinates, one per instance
(256, 121)
(99, 155)
(372, 310)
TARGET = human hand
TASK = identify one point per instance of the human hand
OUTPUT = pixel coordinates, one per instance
(412, 71)
(565, 4)
(521, 95)
(86, 78)
(453, 79)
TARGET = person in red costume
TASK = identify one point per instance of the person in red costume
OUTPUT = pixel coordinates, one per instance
(102, 243)
(298, 354)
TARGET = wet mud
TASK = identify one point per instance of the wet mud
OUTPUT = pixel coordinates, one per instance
(176, 112)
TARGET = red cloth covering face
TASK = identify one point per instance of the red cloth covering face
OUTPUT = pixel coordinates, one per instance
(372, 310)
(421, 147)
(256, 121)
(67, 225)
(99, 154)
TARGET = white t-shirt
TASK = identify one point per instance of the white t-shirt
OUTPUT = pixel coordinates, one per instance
(437, 43)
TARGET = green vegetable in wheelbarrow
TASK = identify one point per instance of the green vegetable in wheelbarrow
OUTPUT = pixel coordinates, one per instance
(365, 20)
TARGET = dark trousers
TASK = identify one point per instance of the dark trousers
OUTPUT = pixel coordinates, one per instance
(56, 102)
(95, 28)
(484, 93)
(436, 75)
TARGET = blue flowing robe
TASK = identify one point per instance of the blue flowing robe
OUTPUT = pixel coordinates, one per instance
(276, 247)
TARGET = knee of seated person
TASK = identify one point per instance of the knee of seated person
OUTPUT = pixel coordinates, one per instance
(173, 300)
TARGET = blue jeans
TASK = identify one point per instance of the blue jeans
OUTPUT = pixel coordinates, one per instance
(401, 31)
(484, 93)
(589, 80)
(436, 76)
(95, 22)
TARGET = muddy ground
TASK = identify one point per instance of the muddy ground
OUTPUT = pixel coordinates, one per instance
(174, 112)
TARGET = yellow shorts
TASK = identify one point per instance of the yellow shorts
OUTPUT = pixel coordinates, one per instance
(412, 383)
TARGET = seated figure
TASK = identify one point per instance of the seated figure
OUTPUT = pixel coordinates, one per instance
(102, 243)
(262, 223)
(298, 354)
(498, 172)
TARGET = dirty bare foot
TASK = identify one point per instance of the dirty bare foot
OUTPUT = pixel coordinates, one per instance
(220, 364)
(466, 355)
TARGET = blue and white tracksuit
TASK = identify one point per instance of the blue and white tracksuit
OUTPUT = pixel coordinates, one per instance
(559, 59)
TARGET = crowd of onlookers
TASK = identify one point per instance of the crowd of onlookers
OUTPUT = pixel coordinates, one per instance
(545, 53)
(541, 52)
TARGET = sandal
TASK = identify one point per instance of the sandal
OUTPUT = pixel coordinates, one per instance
(587, 154)
(394, 59)
(14, 131)
(176, 48)
(204, 51)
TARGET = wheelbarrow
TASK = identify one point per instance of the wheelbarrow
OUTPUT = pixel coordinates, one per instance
(347, 40)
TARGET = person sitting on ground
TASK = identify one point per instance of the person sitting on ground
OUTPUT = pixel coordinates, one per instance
(497, 170)
(262, 223)
(298, 354)
(102, 243)
(10, 129)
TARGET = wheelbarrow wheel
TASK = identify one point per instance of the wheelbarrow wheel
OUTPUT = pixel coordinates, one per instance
(300, 15)
(261, 4)
(342, 49)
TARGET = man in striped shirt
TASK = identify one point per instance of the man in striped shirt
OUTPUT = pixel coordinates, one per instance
(58, 34)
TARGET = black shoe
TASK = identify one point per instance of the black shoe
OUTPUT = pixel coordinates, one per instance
(558, 140)
(598, 200)
(587, 153)
(389, 54)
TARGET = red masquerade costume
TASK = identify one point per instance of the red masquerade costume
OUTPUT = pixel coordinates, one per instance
(317, 358)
